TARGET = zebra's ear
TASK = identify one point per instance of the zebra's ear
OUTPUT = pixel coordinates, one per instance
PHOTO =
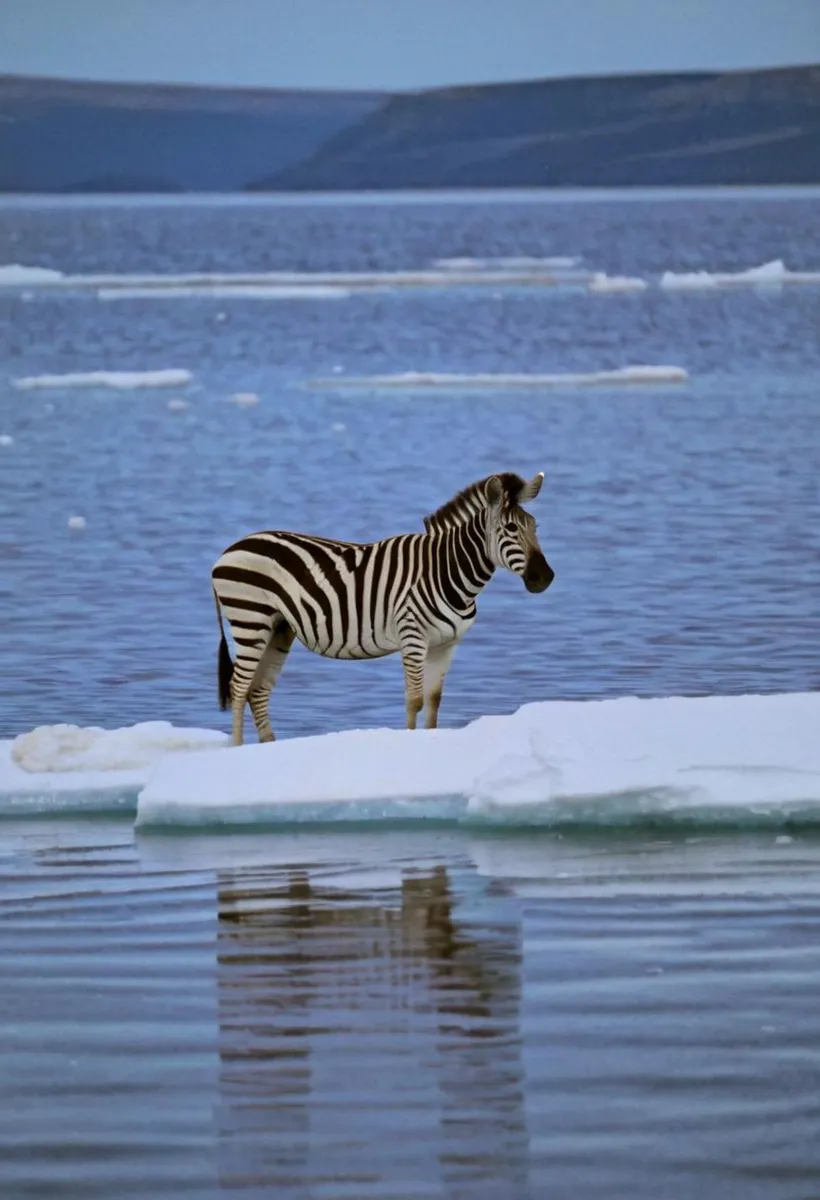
(530, 490)
(494, 491)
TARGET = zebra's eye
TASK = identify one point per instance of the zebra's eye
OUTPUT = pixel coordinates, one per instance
(511, 527)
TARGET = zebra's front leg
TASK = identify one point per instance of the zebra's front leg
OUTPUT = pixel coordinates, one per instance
(436, 666)
(413, 654)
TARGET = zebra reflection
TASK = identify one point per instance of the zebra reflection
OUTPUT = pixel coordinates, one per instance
(369, 1040)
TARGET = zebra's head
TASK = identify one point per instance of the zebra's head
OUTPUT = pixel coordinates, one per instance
(512, 541)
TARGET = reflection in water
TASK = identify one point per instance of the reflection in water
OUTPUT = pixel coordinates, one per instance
(369, 1042)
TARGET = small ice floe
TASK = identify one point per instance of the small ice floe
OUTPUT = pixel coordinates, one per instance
(71, 748)
(768, 274)
(338, 369)
(783, 839)
(76, 522)
(6, 439)
(643, 375)
(15, 274)
(245, 399)
(120, 380)
(517, 262)
(177, 404)
(221, 316)
(601, 282)
(338, 427)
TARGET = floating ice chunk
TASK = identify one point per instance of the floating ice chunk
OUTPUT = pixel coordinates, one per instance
(245, 399)
(239, 291)
(121, 380)
(600, 282)
(66, 768)
(177, 404)
(745, 760)
(17, 275)
(521, 262)
(318, 284)
(76, 522)
(772, 273)
(689, 279)
(338, 427)
(421, 379)
(63, 748)
(338, 369)
(221, 316)
(6, 439)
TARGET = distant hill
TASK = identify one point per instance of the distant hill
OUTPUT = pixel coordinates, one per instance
(66, 136)
(738, 127)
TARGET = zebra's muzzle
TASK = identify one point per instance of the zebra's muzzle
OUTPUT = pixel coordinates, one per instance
(538, 574)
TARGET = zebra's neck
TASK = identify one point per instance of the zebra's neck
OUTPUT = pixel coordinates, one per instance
(463, 565)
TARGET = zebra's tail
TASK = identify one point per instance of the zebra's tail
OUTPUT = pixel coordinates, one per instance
(225, 672)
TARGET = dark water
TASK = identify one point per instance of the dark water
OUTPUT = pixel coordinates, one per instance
(368, 1015)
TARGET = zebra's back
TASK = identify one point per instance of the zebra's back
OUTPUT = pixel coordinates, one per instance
(338, 597)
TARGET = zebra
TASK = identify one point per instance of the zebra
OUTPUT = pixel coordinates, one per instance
(412, 593)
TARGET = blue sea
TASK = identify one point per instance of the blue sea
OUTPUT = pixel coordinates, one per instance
(360, 1014)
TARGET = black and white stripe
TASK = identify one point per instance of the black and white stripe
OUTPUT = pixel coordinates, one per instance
(412, 593)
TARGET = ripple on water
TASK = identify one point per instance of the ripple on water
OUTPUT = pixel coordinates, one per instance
(406, 1014)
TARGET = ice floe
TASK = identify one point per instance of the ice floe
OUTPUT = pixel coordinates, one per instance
(228, 291)
(744, 760)
(622, 376)
(768, 274)
(600, 282)
(120, 380)
(74, 768)
(17, 275)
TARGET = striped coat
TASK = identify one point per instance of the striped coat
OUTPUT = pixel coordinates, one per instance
(412, 593)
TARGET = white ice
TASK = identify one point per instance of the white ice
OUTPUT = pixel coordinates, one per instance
(769, 274)
(741, 760)
(6, 439)
(121, 380)
(521, 262)
(600, 282)
(17, 275)
(228, 291)
(58, 767)
(61, 748)
(280, 283)
(420, 379)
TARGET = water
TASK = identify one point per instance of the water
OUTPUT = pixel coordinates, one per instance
(393, 1014)
(353, 1014)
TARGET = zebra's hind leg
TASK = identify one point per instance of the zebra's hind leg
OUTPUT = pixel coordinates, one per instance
(265, 676)
(252, 639)
(436, 666)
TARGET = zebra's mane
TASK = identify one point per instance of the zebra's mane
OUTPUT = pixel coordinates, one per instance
(471, 499)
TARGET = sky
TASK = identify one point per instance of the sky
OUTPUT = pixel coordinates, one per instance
(396, 44)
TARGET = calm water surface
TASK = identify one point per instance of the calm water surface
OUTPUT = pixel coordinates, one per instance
(404, 1014)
